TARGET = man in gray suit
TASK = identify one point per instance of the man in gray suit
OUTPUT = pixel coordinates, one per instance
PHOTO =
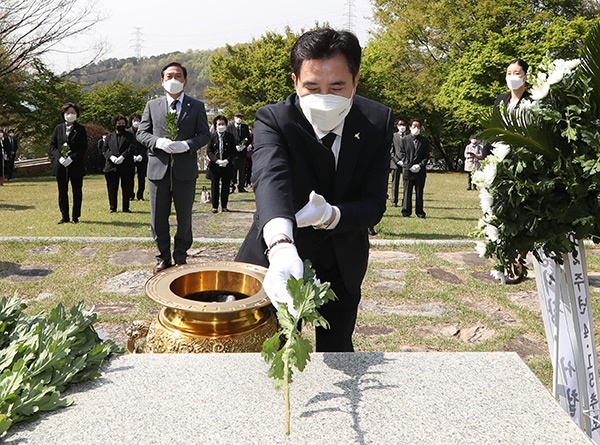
(173, 163)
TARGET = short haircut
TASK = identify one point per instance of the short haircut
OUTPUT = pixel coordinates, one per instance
(162, 73)
(68, 105)
(135, 116)
(219, 117)
(325, 43)
(524, 65)
(412, 121)
(118, 117)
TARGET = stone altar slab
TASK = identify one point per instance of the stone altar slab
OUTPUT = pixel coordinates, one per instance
(361, 398)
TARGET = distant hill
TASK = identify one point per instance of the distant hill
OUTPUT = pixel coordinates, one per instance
(145, 71)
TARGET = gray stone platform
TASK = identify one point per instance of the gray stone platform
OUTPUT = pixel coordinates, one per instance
(361, 398)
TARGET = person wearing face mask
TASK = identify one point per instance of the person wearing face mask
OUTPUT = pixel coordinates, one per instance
(67, 151)
(473, 154)
(119, 149)
(320, 166)
(172, 162)
(11, 149)
(414, 155)
(3, 156)
(241, 133)
(395, 161)
(516, 78)
(221, 151)
(140, 160)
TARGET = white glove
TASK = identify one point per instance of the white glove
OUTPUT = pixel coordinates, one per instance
(283, 262)
(137, 158)
(239, 147)
(400, 163)
(113, 159)
(223, 163)
(120, 160)
(68, 161)
(62, 160)
(415, 168)
(179, 147)
(163, 144)
(315, 212)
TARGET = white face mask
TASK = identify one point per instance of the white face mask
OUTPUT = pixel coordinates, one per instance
(402, 128)
(237, 120)
(514, 82)
(325, 111)
(415, 131)
(173, 86)
(221, 128)
(70, 117)
(10, 135)
(135, 124)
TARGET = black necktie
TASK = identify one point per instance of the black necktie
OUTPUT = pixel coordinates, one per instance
(174, 105)
(328, 140)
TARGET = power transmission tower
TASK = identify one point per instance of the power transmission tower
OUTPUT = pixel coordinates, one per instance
(349, 16)
(137, 46)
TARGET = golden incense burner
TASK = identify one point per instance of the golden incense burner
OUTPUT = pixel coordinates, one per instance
(195, 316)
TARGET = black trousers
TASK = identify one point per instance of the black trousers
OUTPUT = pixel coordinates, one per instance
(112, 186)
(396, 175)
(140, 173)
(62, 180)
(418, 184)
(223, 176)
(239, 173)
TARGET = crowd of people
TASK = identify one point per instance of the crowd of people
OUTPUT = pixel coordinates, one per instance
(319, 163)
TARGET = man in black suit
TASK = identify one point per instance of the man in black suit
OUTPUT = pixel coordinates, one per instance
(396, 161)
(241, 133)
(140, 160)
(13, 146)
(320, 168)
(173, 162)
(414, 155)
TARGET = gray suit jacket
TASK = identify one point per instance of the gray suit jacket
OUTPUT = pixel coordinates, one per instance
(193, 128)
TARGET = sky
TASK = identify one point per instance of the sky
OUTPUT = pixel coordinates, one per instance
(200, 25)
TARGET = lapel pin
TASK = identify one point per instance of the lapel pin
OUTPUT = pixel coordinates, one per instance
(357, 135)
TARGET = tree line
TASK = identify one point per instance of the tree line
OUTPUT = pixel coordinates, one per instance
(442, 61)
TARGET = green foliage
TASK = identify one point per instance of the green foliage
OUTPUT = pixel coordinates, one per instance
(308, 294)
(103, 102)
(40, 355)
(444, 61)
(546, 185)
(249, 76)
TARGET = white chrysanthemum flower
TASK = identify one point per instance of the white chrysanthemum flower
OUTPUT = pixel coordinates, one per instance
(501, 150)
(489, 170)
(540, 90)
(491, 232)
(478, 179)
(557, 71)
(486, 200)
(480, 247)
(498, 275)
(570, 65)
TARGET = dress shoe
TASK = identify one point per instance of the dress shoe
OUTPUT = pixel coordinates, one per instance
(225, 210)
(214, 210)
(372, 231)
(112, 211)
(62, 221)
(180, 262)
(421, 216)
(75, 220)
(127, 211)
(161, 265)
(242, 190)
(394, 204)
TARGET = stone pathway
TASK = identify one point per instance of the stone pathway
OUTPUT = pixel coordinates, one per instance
(388, 267)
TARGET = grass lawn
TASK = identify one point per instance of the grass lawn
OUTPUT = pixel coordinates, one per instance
(437, 299)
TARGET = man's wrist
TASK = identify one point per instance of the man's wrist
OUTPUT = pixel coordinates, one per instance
(280, 238)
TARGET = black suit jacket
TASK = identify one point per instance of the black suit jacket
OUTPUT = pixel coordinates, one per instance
(229, 151)
(240, 135)
(77, 145)
(125, 146)
(289, 162)
(414, 151)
